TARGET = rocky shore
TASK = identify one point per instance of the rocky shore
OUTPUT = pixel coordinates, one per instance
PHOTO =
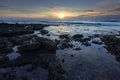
(112, 43)
(40, 52)
(33, 50)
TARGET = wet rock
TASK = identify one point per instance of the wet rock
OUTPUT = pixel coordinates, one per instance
(118, 58)
(64, 36)
(24, 39)
(16, 40)
(10, 30)
(6, 50)
(39, 44)
(47, 44)
(28, 27)
(77, 37)
(86, 43)
(97, 42)
(48, 35)
(5, 46)
(43, 32)
(80, 64)
(66, 40)
(7, 76)
(119, 32)
(24, 78)
(87, 39)
(38, 26)
(96, 35)
(20, 27)
(46, 61)
(29, 47)
(3, 60)
(65, 45)
(14, 33)
(77, 49)
(56, 72)
(63, 60)
(72, 55)
(112, 45)
(57, 41)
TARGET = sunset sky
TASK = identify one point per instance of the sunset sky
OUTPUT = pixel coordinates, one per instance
(59, 9)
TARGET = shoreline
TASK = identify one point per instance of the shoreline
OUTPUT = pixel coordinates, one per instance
(38, 51)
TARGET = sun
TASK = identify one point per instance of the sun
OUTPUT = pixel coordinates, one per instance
(61, 15)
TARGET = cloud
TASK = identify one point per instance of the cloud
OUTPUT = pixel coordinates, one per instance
(4, 7)
(106, 5)
(44, 9)
(115, 9)
(89, 10)
(14, 9)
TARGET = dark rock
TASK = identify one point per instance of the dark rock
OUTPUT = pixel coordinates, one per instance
(45, 61)
(4, 60)
(24, 39)
(5, 46)
(7, 76)
(39, 44)
(48, 35)
(86, 43)
(20, 27)
(14, 33)
(77, 49)
(77, 37)
(38, 26)
(10, 30)
(28, 27)
(119, 32)
(64, 36)
(6, 50)
(56, 72)
(65, 45)
(57, 41)
(29, 47)
(97, 42)
(87, 39)
(72, 55)
(43, 32)
(16, 40)
(112, 45)
(80, 63)
(47, 44)
(66, 40)
(24, 78)
(63, 60)
(96, 35)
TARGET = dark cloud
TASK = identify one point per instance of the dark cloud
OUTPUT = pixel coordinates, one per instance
(3, 6)
(14, 9)
(89, 10)
(115, 9)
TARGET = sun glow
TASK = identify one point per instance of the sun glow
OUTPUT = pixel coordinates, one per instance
(61, 15)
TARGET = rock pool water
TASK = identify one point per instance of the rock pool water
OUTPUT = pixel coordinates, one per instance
(85, 59)
(91, 62)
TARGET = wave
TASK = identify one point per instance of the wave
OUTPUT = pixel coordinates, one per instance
(83, 23)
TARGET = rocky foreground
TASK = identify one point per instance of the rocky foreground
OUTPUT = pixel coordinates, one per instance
(112, 43)
(33, 50)
(40, 52)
